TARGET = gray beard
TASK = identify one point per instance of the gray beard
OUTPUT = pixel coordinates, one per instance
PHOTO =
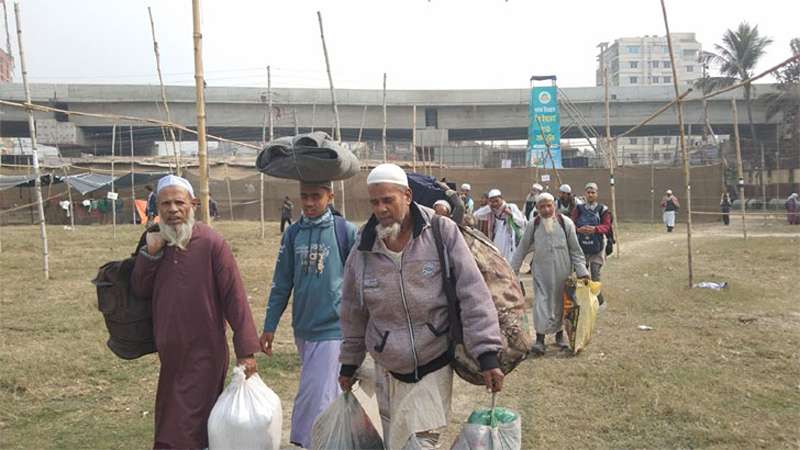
(180, 235)
(549, 224)
(391, 232)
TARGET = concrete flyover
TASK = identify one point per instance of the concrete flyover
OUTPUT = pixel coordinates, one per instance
(239, 112)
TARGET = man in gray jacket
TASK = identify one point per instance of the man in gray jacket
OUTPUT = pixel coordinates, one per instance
(394, 306)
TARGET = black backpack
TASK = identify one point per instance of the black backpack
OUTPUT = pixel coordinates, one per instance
(129, 319)
(591, 244)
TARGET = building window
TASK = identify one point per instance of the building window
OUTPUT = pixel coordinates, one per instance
(655, 140)
(690, 68)
(633, 141)
(653, 80)
(667, 79)
(666, 140)
(687, 53)
(431, 117)
(633, 49)
(654, 64)
(634, 64)
(666, 156)
(634, 80)
(656, 156)
(666, 65)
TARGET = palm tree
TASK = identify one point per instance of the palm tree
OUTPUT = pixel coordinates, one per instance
(738, 55)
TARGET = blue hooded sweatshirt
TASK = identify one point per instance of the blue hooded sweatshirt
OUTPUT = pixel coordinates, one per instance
(310, 265)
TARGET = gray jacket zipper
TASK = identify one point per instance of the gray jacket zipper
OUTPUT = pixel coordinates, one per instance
(408, 317)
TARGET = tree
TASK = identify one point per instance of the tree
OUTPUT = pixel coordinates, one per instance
(737, 56)
(786, 99)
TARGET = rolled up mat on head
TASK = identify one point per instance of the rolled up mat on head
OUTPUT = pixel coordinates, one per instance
(308, 157)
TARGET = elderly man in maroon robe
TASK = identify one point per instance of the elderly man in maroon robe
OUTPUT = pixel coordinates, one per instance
(190, 273)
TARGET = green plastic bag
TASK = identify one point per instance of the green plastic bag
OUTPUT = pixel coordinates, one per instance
(484, 416)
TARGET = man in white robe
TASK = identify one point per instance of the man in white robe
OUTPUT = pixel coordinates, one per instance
(502, 222)
(556, 254)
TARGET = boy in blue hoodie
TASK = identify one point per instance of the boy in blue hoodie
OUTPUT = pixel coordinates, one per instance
(311, 263)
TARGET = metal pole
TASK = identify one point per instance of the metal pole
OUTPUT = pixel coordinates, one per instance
(684, 150)
(202, 150)
(34, 148)
(739, 170)
(652, 185)
(777, 160)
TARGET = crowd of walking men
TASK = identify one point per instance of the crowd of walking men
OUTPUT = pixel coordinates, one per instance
(376, 290)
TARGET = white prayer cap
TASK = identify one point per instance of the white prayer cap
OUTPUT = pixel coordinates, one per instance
(543, 197)
(494, 193)
(537, 186)
(442, 203)
(466, 187)
(172, 180)
(565, 188)
(592, 186)
(669, 191)
(388, 173)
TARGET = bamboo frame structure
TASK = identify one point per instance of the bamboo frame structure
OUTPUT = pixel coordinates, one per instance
(383, 133)
(133, 182)
(113, 200)
(611, 154)
(684, 150)
(34, 146)
(739, 169)
(414, 138)
(176, 154)
(202, 149)
(337, 122)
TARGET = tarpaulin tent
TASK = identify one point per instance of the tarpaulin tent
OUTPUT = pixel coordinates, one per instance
(89, 182)
(12, 181)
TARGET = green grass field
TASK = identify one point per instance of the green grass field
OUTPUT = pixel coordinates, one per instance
(718, 370)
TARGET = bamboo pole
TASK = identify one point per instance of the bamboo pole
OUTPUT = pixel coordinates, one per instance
(122, 117)
(763, 181)
(652, 186)
(658, 112)
(335, 107)
(133, 182)
(228, 186)
(611, 150)
(684, 150)
(34, 147)
(270, 116)
(202, 150)
(69, 197)
(739, 170)
(113, 200)
(313, 116)
(383, 133)
(296, 124)
(414, 138)
(361, 128)
(175, 152)
(777, 160)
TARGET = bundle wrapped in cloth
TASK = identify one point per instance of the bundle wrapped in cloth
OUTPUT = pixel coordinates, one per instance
(309, 157)
(580, 311)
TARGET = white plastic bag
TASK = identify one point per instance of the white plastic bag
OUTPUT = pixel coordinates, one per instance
(345, 425)
(504, 434)
(247, 415)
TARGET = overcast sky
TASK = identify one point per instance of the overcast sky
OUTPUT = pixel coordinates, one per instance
(442, 44)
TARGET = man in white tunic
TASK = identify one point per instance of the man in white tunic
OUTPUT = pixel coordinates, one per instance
(502, 222)
(556, 254)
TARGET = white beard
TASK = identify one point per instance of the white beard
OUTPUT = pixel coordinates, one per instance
(549, 224)
(391, 232)
(180, 235)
